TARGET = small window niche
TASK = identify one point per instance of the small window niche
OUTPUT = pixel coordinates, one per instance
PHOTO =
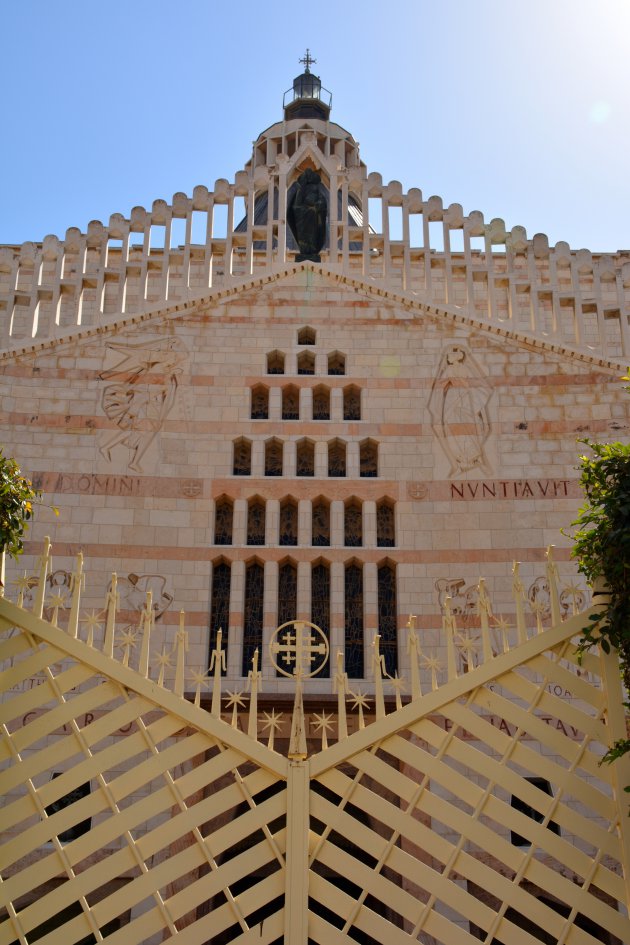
(242, 465)
(368, 459)
(288, 522)
(256, 521)
(305, 458)
(321, 523)
(306, 336)
(260, 402)
(321, 403)
(385, 524)
(353, 523)
(306, 362)
(275, 362)
(351, 403)
(223, 521)
(337, 458)
(336, 363)
(290, 403)
(273, 457)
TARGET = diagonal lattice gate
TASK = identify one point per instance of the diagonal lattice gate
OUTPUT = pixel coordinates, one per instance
(477, 812)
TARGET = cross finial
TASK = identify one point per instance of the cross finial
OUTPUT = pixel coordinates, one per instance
(308, 61)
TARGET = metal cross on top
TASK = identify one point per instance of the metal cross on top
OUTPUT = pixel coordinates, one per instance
(308, 61)
(299, 648)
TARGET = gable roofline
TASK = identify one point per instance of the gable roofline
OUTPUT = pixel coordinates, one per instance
(409, 301)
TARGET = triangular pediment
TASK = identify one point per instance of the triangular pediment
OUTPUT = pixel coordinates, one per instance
(409, 307)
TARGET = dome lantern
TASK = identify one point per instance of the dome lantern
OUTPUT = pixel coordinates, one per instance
(307, 98)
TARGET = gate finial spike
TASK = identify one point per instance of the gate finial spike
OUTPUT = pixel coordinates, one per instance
(552, 581)
(76, 583)
(182, 646)
(414, 651)
(217, 663)
(110, 626)
(449, 630)
(484, 608)
(297, 743)
(45, 564)
(253, 678)
(147, 623)
(518, 589)
(340, 683)
(378, 667)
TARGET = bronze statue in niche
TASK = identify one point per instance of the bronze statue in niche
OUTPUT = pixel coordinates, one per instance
(306, 216)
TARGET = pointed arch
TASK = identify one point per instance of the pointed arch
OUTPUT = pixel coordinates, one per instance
(320, 601)
(385, 523)
(290, 402)
(275, 362)
(306, 336)
(368, 459)
(242, 459)
(306, 362)
(273, 457)
(259, 402)
(388, 614)
(336, 363)
(320, 522)
(256, 521)
(221, 584)
(351, 402)
(287, 591)
(353, 522)
(337, 458)
(354, 662)
(321, 402)
(288, 531)
(253, 612)
(305, 457)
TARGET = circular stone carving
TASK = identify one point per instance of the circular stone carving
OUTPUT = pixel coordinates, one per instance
(299, 647)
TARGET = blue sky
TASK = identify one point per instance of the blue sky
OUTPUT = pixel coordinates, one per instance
(520, 110)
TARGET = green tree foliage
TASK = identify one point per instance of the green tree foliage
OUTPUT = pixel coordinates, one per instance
(17, 497)
(602, 549)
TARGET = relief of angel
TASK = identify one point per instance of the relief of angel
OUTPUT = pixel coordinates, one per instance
(139, 402)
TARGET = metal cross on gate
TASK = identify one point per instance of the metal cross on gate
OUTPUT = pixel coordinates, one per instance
(299, 648)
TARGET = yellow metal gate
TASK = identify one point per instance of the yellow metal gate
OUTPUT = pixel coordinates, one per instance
(478, 811)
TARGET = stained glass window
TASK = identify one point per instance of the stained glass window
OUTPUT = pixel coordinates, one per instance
(242, 457)
(288, 522)
(321, 403)
(223, 517)
(253, 618)
(256, 522)
(306, 362)
(219, 605)
(305, 458)
(387, 615)
(321, 523)
(275, 362)
(353, 524)
(351, 403)
(336, 363)
(320, 603)
(336, 458)
(290, 403)
(273, 458)
(368, 459)
(260, 403)
(385, 527)
(354, 621)
(306, 336)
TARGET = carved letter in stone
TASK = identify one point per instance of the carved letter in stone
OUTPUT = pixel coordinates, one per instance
(459, 410)
(306, 216)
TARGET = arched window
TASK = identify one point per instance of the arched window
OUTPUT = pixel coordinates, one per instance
(351, 403)
(321, 403)
(290, 403)
(273, 457)
(336, 458)
(223, 518)
(288, 522)
(368, 459)
(287, 591)
(321, 523)
(260, 402)
(254, 610)
(306, 336)
(305, 458)
(353, 606)
(320, 603)
(306, 362)
(385, 524)
(387, 615)
(336, 363)
(219, 604)
(256, 521)
(275, 362)
(242, 457)
(353, 524)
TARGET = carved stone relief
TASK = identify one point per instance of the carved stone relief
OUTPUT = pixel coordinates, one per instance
(133, 592)
(142, 395)
(572, 598)
(458, 405)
